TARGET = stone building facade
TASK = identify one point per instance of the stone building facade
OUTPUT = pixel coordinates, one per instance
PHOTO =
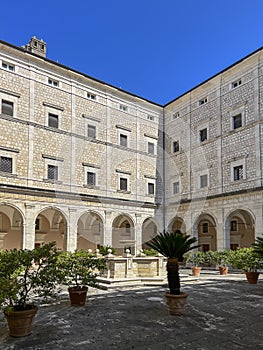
(84, 163)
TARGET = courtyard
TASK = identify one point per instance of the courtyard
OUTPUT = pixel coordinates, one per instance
(223, 312)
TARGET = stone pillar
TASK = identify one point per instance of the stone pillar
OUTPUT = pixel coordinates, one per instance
(107, 237)
(258, 221)
(138, 233)
(223, 231)
(29, 227)
(71, 234)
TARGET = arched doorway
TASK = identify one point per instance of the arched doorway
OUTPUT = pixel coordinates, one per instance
(206, 232)
(11, 227)
(240, 231)
(90, 231)
(51, 226)
(123, 234)
(149, 230)
(176, 224)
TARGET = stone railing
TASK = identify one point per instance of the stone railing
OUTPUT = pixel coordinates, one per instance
(132, 267)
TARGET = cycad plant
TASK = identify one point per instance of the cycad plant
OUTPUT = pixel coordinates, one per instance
(258, 246)
(173, 245)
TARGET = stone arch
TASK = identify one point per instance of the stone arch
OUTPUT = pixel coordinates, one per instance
(177, 223)
(11, 226)
(123, 234)
(51, 225)
(205, 229)
(90, 230)
(149, 230)
(239, 229)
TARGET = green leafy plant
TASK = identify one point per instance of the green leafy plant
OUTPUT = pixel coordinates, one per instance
(197, 258)
(172, 245)
(103, 250)
(20, 280)
(80, 268)
(150, 252)
(258, 246)
(220, 257)
(246, 259)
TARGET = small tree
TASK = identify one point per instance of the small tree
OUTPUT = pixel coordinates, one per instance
(20, 280)
(173, 245)
(80, 268)
(246, 259)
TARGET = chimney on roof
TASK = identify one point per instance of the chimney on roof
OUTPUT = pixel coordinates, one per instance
(37, 46)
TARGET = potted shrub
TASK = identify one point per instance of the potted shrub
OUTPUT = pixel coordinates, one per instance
(196, 259)
(20, 281)
(249, 261)
(79, 270)
(258, 246)
(104, 250)
(221, 259)
(173, 245)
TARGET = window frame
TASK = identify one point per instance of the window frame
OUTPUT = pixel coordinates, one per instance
(203, 176)
(201, 131)
(177, 148)
(237, 164)
(12, 167)
(8, 66)
(53, 82)
(94, 175)
(54, 167)
(52, 115)
(150, 188)
(5, 101)
(122, 180)
(123, 136)
(94, 127)
(176, 186)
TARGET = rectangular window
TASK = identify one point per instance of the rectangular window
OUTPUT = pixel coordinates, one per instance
(203, 181)
(176, 115)
(237, 121)
(123, 184)
(7, 107)
(150, 117)
(238, 172)
(123, 140)
(233, 225)
(52, 172)
(91, 178)
(203, 101)
(203, 135)
(91, 96)
(92, 131)
(53, 120)
(150, 147)
(176, 187)
(8, 66)
(176, 146)
(236, 83)
(53, 82)
(6, 164)
(150, 188)
(123, 108)
(205, 227)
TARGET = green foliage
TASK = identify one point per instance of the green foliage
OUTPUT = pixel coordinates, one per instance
(258, 246)
(20, 280)
(246, 259)
(80, 268)
(103, 250)
(172, 245)
(197, 258)
(219, 257)
(150, 252)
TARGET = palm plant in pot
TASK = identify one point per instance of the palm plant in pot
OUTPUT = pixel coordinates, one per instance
(21, 282)
(173, 245)
(80, 270)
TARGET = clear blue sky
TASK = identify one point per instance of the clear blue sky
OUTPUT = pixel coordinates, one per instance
(155, 49)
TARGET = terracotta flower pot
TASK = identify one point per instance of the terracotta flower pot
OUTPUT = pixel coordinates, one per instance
(78, 295)
(252, 277)
(20, 322)
(176, 303)
(196, 271)
(223, 270)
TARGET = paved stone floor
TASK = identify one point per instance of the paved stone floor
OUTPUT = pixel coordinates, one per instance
(223, 313)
